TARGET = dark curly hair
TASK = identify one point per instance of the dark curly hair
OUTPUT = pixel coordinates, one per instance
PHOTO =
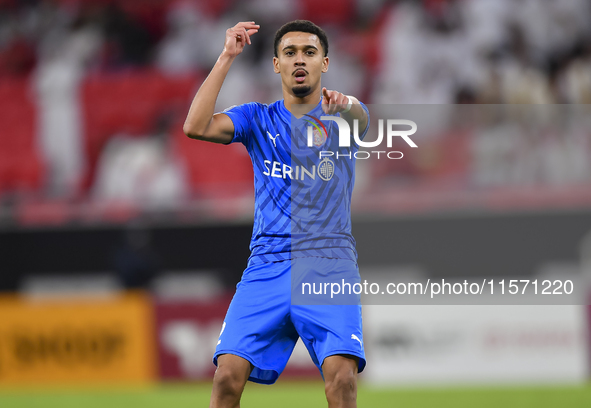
(304, 26)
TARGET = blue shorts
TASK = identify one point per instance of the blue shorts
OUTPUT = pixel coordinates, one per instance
(262, 325)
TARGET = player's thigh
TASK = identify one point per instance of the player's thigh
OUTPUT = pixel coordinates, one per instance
(328, 330)
(261, 299)
(331, 329)
(258, 316)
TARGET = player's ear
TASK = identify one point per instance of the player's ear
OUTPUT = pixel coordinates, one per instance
(325, 64)
(276, 65)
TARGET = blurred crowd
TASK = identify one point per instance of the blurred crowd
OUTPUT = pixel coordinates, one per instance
(421, 51)
(383, 51)
(486, 51)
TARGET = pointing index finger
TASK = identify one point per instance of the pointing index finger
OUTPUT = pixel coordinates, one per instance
(248, 25)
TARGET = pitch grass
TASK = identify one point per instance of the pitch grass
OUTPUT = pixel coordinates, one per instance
(302, 394)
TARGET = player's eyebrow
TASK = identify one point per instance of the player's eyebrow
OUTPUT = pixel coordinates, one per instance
(303, 46)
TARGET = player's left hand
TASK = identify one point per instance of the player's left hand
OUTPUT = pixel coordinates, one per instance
(333, 101)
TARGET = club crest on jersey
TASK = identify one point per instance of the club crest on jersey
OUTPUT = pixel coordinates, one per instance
(317, 132)
(326, 169)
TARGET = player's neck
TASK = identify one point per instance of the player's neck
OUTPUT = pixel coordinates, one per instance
(299, 106)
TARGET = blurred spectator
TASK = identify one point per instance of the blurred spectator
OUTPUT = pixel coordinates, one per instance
(187, 45)
(521, 82)
(141, 171)
(576, 77)
(65, 53)
(424, 55)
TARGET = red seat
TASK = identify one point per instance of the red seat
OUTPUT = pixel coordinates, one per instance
(328, 11)
(214, 170)
(20, 165)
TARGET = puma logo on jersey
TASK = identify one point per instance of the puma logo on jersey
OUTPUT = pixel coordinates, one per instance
(273, 138)
(354, 337)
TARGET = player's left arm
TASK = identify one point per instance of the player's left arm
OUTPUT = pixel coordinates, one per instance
(334, 101)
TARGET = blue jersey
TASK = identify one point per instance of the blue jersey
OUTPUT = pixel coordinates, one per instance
(302, 200)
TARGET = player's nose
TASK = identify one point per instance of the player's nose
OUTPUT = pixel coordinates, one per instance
(300, 59)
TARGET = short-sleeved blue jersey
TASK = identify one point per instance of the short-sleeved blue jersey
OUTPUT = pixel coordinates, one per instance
(302, 201)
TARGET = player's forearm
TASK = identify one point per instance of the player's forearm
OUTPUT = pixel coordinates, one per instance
(203, 105)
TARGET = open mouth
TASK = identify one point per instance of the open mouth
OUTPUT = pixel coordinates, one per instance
(300, 75)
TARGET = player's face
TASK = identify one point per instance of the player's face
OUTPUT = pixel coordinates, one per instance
(300, 62)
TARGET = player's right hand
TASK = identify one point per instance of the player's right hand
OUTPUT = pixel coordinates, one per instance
(238, 36)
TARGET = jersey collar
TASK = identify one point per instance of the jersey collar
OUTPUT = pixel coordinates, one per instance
(316, 112)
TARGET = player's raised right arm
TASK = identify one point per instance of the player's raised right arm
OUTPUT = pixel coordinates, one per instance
(201, 123)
